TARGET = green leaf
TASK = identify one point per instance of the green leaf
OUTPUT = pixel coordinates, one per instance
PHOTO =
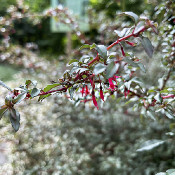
(35, 92)
(150, 144)
(85, 46)
(28, 83)
(3, 109)
(131, 15)
(4, 85)
(42, 97)
(72, 61)
(15, 119)
(99, 68)
(84, 76)
(19, 98)
(111, 69)
(148, 47)
(102, 50)
(50, 86)
(93, 46)
(129, 61)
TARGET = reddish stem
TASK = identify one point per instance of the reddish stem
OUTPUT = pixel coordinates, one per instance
(64, 89)
(95, 59)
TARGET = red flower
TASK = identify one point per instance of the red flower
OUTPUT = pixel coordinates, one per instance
(87, 91)
(94, 99)
(92, 83)
(82, 91)
(101, 93)
(111, 84)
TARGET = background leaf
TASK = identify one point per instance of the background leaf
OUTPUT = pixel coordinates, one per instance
(15, 119)
(150, 144)
(148, 47)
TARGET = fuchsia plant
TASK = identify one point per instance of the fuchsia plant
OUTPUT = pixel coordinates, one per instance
(99, 76)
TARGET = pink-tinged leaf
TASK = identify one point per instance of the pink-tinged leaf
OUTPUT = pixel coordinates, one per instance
(101, 93)
(94, 100)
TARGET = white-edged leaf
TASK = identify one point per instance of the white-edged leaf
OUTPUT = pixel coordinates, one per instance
(131, 15)
(150, 144)
(139, 27)
(158, 97)
(19, 98)
(102, 50)
(170, 115)
(161, 173)
(99, 68)
(170, 172)
(35, 92)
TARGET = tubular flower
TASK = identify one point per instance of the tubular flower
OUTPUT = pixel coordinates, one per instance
(82, 91)
(94, 99)
(101, 93)
(111, 84)
(87, 92)
(92, 83)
